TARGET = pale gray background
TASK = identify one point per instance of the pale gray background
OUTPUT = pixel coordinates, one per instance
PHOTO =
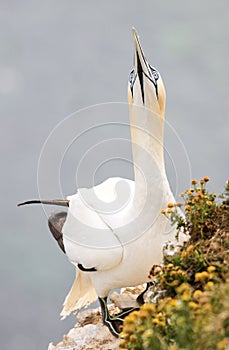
(59, 56)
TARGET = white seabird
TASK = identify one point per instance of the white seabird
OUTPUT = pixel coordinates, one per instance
(114, 232)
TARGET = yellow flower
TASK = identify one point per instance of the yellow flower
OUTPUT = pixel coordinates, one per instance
(204, 275)
(170, 265)
(173, 302)
(129, 328)
(183, 287)
(187, 208)
(222, 345)
(206, 178)
(130, 320)
(159, 320)
(211, 269)
(189, 192)
(194, 182)
(173, 273)
(209, 203)
(200, 194)
(197, 276)
(122, 345)
(163, 211)
(133, 338)
(133, 315)
(201, 276)
(143, 314)
(189, 249)
(169, 211)
(186, 295)
(192, 305)
(149, 307)
(155, 320)
(148, 333)
(182, 273)
(174, 283)
(209, 285)
(170, 205)
(197, 294)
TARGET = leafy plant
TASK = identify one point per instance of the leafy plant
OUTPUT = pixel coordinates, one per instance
(192, 312)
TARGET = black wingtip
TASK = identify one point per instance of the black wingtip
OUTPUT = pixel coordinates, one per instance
(28, 202)
(60, 202)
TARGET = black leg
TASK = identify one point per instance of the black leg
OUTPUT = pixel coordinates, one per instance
(113, 322)
(140, 298)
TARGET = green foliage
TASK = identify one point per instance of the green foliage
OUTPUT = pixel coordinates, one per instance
(193, 320)
(193, 313)
(199, 206)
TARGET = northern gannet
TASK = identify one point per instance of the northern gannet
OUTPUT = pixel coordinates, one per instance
(114, 241)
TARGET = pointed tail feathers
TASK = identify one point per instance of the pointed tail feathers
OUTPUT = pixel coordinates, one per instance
(81, 294)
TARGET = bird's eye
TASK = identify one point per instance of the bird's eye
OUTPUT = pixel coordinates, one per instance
(154, 73)
(131, 77)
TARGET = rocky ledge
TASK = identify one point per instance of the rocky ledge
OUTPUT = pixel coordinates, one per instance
(89, 333)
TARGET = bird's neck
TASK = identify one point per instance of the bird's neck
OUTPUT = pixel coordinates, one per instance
(147, 134)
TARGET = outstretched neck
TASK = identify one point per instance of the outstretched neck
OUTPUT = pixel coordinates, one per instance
(147, 135)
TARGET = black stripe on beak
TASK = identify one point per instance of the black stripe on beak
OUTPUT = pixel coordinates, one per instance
(140, 75)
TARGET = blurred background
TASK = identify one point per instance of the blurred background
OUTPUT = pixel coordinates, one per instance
(59, 56)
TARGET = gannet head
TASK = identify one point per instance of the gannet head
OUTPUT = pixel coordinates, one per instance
(145, 86)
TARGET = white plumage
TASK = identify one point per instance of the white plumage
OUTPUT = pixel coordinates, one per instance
(121, 248)
(114, 232)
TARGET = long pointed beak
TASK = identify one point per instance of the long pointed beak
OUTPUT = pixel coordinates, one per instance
(140, 63)
(141, 66)
(60, 202)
